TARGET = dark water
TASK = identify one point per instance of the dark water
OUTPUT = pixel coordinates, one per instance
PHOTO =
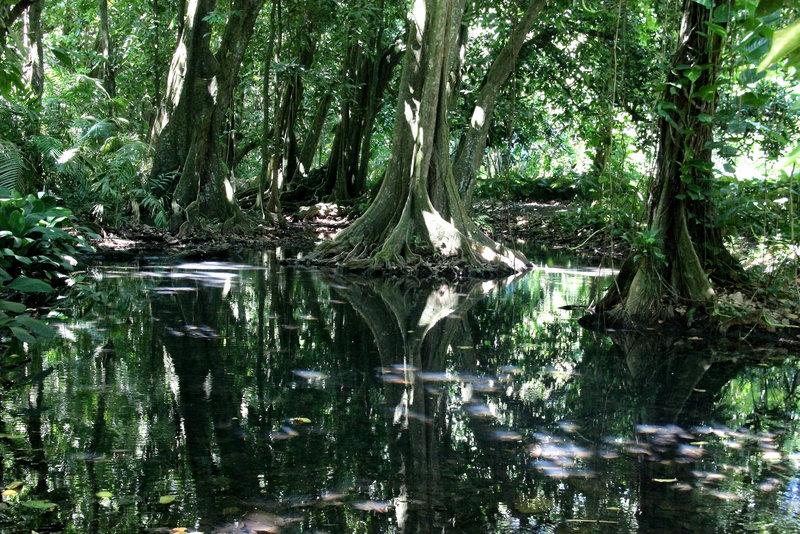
(256, 398)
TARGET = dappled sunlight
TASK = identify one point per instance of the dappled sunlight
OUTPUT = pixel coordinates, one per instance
(446, 239)
(478, 117)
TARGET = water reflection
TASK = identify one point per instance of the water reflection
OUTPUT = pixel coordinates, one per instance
(254, 398)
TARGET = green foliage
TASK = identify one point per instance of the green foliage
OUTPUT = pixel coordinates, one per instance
(646, 245)
(37, 252)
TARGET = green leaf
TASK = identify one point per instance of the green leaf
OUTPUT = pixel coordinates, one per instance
(166, 499)
(708, 4)
(104, 494)
(40, 505)
(15, 307)
(693, 74)
(784, 42)
(22, 334)
(63, 57)
(765, 7)
(30, 285)
(705, 117)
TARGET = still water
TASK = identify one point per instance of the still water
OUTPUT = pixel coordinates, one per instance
(250, 397)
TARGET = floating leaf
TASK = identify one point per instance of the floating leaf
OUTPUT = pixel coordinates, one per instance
(166, 499)
(40, 505)
(104, 494)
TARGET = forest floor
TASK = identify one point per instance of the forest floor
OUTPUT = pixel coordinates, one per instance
(522, 225)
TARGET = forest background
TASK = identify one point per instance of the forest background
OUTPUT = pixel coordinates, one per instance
(199, 116)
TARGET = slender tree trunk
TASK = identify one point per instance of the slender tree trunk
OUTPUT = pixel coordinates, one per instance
(674, 272)
(368, 73)
(311, 140)
(418, 218)
(470, 151)
(106, 68)
(9, 14)
(32, 40)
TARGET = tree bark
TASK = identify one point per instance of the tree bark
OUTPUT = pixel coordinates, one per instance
(469, 154)
(675, 271)
(32, 40)
(106, 67)
(9, 13)
(189, 143)
(418, 218)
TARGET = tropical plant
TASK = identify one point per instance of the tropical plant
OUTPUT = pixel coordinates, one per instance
(37, 253)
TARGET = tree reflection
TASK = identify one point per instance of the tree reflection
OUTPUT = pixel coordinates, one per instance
(278, 399)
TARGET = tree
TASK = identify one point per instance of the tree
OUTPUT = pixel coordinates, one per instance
(418, 217)
(204, 84)
(469, 154)
(681, 253)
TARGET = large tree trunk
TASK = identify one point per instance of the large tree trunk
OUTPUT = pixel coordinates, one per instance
(418, 218)
(189, 143)
(469, 154)
(674, 271)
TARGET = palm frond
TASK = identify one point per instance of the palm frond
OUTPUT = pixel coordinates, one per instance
(13, 166)
(50, 148)
(99, 132)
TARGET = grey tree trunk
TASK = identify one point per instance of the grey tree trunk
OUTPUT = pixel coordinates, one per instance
(189, 144)
(32, 40)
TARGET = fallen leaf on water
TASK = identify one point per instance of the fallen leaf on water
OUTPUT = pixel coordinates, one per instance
(166, 499)
(372, 506)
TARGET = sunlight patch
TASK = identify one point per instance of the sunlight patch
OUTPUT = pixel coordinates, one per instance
(478, 117)
(443, 235)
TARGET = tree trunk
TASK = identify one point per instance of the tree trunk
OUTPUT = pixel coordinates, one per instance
(418, 218)
(368, 73)
(469, 154)
(673, 272)
(106, 67)
(189, 143)
(9, 13)
(32, 40)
